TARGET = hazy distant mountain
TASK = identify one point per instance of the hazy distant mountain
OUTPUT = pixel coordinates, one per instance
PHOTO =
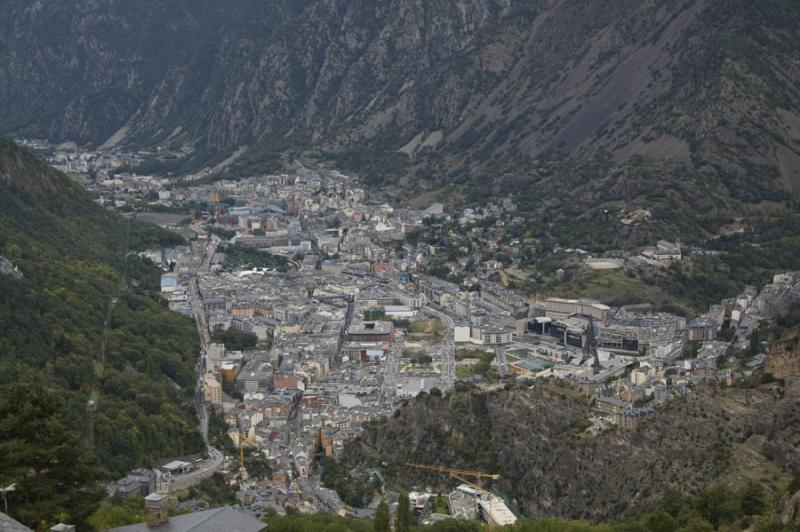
(450, 90)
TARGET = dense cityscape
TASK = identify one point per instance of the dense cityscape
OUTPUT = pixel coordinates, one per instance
(317, 315)
(399, 266)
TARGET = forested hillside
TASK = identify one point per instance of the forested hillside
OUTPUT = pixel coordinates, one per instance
(80, 402)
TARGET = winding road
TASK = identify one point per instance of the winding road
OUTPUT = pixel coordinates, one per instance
(207, 467)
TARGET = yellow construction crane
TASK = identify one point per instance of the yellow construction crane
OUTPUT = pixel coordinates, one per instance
(241, 450)
(240, 439)
(242, 471)
(457, 473)
(460, 474)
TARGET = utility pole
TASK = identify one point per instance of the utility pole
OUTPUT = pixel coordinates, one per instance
(11, 487)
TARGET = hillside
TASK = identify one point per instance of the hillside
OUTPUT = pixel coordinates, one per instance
(551, 466)
(80, 402)
(694, 97)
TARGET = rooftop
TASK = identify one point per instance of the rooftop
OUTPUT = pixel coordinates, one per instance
(8, 524)
(226, 518)
(371, 327)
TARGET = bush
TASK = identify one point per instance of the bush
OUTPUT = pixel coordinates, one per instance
(234, 339)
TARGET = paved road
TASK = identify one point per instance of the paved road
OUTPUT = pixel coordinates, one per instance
(207, 467)
(389, 385)
(215, 455)
(502, 361)
(205, 254)
(447, 349)
(203, 470)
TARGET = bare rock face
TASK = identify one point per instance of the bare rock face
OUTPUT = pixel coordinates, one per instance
(552, 466)
(8, 269)
(709, 86)
(784, 363)
(789, 508)
(783, 444)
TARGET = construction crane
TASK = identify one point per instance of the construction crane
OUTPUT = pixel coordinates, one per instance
(460, 474)
(242, 476)
(241, 451)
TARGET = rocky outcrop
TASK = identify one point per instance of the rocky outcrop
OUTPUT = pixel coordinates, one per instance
(789, 508)
(8, 269)
(784, 363)
(551, 466)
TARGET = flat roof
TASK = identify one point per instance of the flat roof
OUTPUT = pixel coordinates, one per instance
(225, 518)
(176, 464)
(498, 511)
(371, 327)
(586, 302)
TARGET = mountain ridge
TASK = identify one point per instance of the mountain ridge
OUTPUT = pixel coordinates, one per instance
(464, 88)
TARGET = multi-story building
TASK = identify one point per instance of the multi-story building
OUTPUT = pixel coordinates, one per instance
(371, 331)
(213, 391)
(558, 308)
(495, 335)
(503, 298)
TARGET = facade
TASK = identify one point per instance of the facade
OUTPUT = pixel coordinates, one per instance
(169, 282)
(461, 333)
(503, 298)
(213, 391)
(436, 290)
(619, 338)
(495, 512)
(493, 335)
(557, 307)
(702, 330)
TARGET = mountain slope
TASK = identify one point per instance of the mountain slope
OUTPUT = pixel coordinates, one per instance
(438, 91)
(81, 402)
(551, 466)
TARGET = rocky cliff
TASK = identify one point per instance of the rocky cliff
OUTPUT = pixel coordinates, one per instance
(551, 465)
(450, 91)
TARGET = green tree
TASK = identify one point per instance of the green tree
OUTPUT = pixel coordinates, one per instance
(697, 524)
(382, 517)
(117, 512)
(755, 343)
(256, 464)
(753, 498)
(717, 504)
(404, 516)
(43, 455)
(354, 490)
(660, 521)
(673, 502)
(233, 338)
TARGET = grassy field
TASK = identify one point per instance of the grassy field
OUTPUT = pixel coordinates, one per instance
(615, 288)
(466, 352)
(612, 287)
(433, 327)
(463, 371)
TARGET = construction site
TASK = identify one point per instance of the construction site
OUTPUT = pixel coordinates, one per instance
(470, 500)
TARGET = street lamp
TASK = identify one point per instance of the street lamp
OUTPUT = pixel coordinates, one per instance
(12, 487)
